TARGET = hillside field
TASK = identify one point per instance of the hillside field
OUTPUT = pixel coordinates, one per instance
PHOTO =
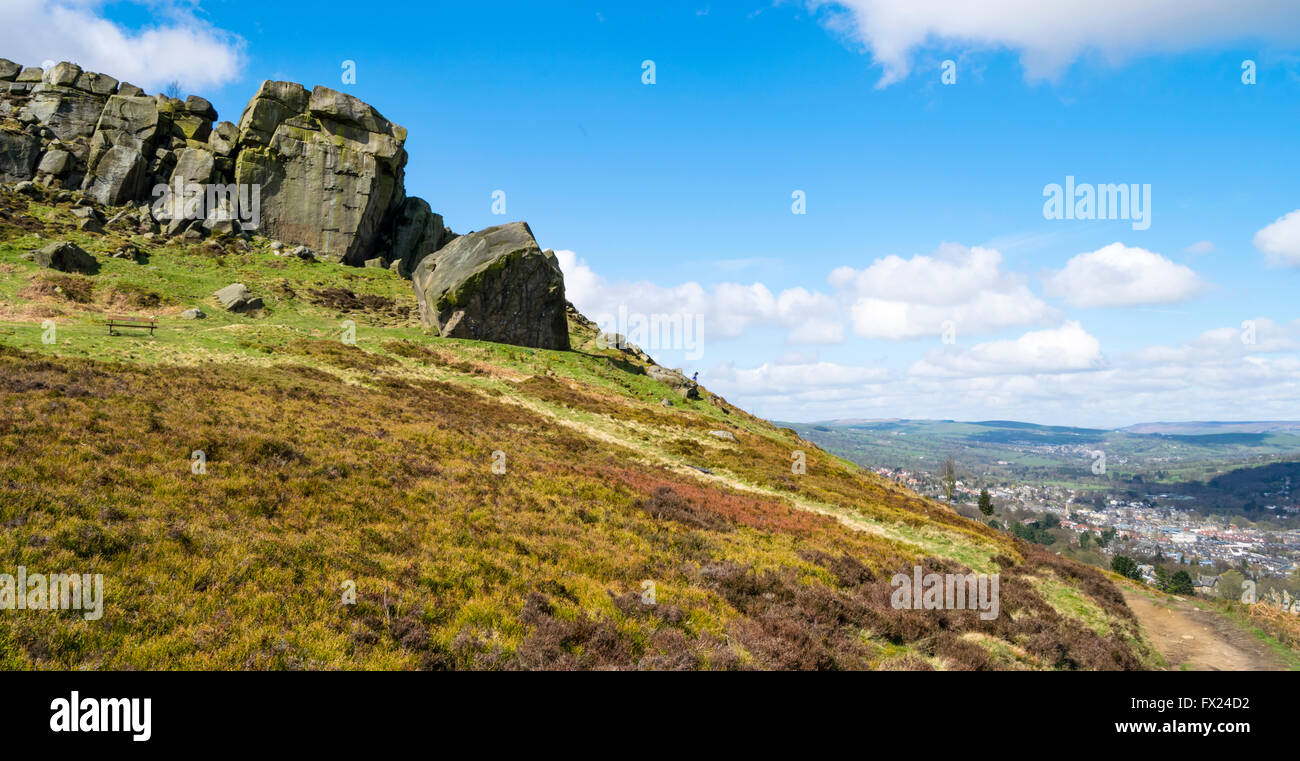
(624, 532)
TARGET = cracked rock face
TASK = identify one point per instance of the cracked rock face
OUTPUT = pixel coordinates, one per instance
(116, 169)
(18, 156)
(330, 168)
(68, 112)
(494, 285)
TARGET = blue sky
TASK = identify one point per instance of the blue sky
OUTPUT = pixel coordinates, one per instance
(676, 197)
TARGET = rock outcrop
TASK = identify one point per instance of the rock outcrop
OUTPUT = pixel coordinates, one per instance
(330, 168)
(675, 379)
(319, 169)
(494, 285)
(93, 133)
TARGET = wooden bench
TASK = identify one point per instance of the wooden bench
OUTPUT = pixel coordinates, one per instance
(123, 321)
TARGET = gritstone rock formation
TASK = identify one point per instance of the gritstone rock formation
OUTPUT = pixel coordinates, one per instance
(494, 285)
(328, 167)
(318, 168)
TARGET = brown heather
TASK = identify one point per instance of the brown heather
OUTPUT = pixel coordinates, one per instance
(310, 482)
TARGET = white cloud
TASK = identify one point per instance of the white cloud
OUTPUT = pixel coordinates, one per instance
(1056, 375)
(1253, 337)
(812, 380)
(1061, 379)
(1281, 241)
(1201, 247)
(1119, 276)
(1069, 348)
(728, 310)
(896, 298)
(181, 47)
(1051, 35)
(818, 331)
(893, 298)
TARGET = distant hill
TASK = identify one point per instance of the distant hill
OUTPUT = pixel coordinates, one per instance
(1190, 428)
(1172, 453)
(1208, 427)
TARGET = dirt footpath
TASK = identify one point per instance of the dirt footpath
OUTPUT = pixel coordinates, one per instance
(1200, 640)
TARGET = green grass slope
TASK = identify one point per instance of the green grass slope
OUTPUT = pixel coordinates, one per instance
(332, 467)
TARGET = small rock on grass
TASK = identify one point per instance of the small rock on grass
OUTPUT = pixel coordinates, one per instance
(237, 298)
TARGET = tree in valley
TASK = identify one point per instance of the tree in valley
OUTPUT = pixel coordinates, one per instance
(948, 477)
(1230, 584)
(986, 502)
(1181, 583)
(1126, 566)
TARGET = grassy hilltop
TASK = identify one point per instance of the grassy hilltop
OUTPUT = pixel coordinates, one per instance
(329, 463)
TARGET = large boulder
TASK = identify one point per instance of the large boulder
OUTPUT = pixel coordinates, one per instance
(117, 170)
(63, 74)
(223, 138)
(68, 112)
(130, 120)
(494, 285)
(116, 176)
(200, 107)
(53, 164)
(191, 119)
(194, 166)
(66, 257)
(330, 168)
(69, 101)
(99, 84)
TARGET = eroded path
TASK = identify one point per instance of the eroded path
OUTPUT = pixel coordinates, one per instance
(1199, 640)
